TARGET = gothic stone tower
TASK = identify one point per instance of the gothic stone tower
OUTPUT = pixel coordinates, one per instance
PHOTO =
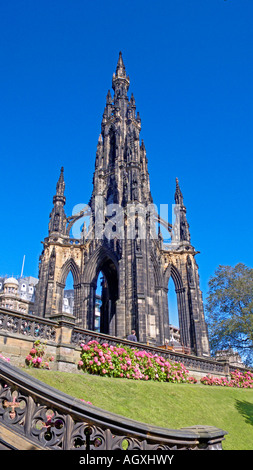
(122, 243)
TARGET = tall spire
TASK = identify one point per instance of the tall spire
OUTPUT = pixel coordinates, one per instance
(121, 174)
(57, 217)
(181, 212)
(178, 194)
(60, 186)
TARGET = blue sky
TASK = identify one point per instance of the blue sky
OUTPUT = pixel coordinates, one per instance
(190, 68)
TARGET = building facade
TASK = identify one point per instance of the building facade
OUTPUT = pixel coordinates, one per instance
(18, 294)
(123, 242)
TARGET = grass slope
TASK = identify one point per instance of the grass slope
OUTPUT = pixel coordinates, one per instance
(164, 404)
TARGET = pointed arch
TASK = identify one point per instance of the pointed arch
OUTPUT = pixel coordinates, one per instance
(98, 258)
(183, 314)
(172, 271)
(103, 260)
(70, 265)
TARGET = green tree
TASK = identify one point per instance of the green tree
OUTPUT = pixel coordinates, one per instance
(229, 308)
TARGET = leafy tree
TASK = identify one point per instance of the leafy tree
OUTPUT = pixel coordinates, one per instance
(229, 310)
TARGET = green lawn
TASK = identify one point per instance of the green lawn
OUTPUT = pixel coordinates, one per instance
(164, 404)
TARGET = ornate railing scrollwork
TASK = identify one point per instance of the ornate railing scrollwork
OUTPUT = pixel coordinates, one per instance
(27, 325)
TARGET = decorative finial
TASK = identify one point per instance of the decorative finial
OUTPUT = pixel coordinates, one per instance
(120, 77)
(120, 69)
(60, 186)
(178, 194)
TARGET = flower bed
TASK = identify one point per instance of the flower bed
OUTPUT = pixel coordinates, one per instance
(130, 363)
(4, 358)
(35, 357)
(238, 379)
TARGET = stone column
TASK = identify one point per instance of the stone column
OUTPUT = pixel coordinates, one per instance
(65, 357)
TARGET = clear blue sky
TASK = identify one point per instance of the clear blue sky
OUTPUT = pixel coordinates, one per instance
(190, 67)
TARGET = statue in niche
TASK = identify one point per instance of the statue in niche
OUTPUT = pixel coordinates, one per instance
(85, 256)
(129, 154)
(51, 265)
(184, 234)
(135, 187)
(138, 245)
(130, 113)
(190, 272)
(56, 222)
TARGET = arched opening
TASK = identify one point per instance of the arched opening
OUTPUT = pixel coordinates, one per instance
(105, 298)
(172, 303)
(68, 295)
(173, 315)
(182, 332)
(98, 302)
(68, 288)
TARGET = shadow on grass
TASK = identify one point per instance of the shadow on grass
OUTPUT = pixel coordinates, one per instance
(246, 410)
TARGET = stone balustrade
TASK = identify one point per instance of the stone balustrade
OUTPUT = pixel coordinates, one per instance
(63, 339)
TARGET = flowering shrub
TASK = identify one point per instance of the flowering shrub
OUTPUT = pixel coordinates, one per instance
(130, 363)
(35, 357)
(238, 379)
(210, 380)
(242, 379)
(88, 402)
(4, 358)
